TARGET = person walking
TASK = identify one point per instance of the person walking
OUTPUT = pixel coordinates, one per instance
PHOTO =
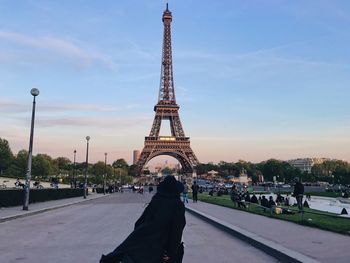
(195, 189)
(298, 193)
(158, 232)
(185, 193)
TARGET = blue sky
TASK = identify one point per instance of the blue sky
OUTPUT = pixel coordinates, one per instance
(254, 79)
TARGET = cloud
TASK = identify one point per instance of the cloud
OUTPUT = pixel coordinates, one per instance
(291, 138)
(266, 55)
(60, 46)
(92, 122)
(15, 107)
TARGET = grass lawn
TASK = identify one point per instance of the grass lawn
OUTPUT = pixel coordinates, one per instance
(323, 220)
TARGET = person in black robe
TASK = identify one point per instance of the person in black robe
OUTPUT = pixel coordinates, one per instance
(158, 232)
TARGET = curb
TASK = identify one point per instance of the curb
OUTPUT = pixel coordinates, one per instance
(271, 248)
(30, 213)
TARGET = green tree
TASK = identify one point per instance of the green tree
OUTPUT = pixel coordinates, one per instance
(63, 163)
(282, 170)
(203, 168)
(18, 167)
(120, 163)
(167, 171)
(98, 170)
(42, 166)
(132, 170)
(330, 171)
(6, 156)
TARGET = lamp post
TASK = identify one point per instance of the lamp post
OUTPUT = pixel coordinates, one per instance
(120, 176)
(74, 175)
(105, 175)
(86, 165)
(34, 92)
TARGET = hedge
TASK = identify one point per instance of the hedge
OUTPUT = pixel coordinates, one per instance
(15, 197)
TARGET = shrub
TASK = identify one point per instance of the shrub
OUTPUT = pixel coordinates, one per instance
(15, 197)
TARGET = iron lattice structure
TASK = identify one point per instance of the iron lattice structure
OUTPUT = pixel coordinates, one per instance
(177, 145)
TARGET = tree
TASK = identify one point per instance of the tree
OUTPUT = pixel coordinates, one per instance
(63, 163)
(18, 167)
(283, 171)
(203, 168)
(42, 166)
(332, 171)
(132, 171)
(120, 163)
(167, 171)
(98, 170)
(6, 156)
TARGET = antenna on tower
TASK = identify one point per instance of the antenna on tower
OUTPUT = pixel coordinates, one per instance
(167, 3)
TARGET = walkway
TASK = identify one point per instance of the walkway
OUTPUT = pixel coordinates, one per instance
(323, 246)
(81, 232)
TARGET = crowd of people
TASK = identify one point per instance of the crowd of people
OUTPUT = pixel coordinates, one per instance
(243, 198)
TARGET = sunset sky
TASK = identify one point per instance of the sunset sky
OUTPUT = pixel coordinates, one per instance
(254, 79)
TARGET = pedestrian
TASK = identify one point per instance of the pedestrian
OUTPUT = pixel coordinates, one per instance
(185, 193)
(158, 232)
(298, 194)
(195, 189)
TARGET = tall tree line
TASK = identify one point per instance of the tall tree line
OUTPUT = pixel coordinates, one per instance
(332, 171)
(45, 167)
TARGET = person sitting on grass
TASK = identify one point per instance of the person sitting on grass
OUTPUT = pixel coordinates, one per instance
(271, 202)
(279, 199)
(254, 199)
(236, 197)
(287, 200)
(264, 203)
(247, 198)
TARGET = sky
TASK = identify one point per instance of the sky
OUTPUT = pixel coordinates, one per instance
(254, 79)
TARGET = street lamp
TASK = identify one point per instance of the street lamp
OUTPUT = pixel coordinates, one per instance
(120, 177)
(74, 175)
(34, 92)
(105, 175)
(86, 165)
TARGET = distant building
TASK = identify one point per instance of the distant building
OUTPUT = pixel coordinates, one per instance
(305, 164)
(136, 156)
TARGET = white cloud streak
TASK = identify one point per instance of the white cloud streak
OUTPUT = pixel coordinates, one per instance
(59, 46)
(14, 107)
(98, 123)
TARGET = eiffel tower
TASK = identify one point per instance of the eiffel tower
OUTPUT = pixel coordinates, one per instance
(177, 145)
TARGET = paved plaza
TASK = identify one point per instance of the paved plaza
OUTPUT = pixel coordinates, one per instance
(83, 231)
